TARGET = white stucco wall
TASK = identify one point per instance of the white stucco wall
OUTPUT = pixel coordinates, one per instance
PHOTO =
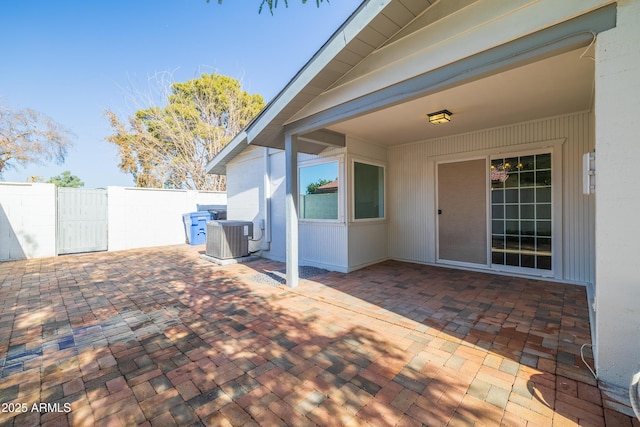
(246, 191)
(142, 217)
(27, 220)
(617, 107)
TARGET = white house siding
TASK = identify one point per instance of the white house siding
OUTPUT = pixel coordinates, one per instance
(277, 247)
(324, 243)
(368, 240)
(411, 189)
(368, 244)
(245, 191)
(617, 102)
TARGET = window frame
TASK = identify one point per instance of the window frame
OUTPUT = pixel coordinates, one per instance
(556, 211)
(321, 161)
(352, 195)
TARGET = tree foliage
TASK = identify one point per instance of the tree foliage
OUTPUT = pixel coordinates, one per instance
(313, 187)
(27, 136)
(65, 179)
(170, 146)
(272, 4)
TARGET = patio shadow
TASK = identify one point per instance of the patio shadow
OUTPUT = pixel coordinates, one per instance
(514, 343)
(159, 336)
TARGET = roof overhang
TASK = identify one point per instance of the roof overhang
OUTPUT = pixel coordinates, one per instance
(378, 25)
(363, 32)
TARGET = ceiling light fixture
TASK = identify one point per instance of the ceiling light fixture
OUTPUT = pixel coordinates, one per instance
(438, 117)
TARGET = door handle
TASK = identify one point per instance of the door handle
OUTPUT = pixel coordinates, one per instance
(439, 211)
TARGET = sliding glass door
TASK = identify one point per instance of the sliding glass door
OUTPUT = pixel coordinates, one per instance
(521, 227)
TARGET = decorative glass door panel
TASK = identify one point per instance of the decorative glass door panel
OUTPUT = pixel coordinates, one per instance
(521, 211)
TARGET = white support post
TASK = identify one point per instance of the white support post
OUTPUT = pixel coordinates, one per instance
(291, 208)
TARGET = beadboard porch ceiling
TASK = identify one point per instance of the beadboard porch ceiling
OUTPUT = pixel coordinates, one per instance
(559, 85)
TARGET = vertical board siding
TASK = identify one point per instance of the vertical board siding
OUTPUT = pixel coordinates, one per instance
(368, 244)
(410, 232)
(411, 192)
(323, 245)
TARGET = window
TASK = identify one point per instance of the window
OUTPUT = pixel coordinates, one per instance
(368, 191)
(319, 191)
(521, 211)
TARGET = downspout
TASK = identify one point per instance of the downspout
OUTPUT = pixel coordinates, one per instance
(267, 201)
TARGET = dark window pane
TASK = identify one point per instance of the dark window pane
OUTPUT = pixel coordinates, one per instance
(544, 262)
(368, 189)
(543, 178)
(527, 228)
(497, 211)
(497, 226)
(543, 245)
(527, 179)
(527, 211)
(512, 180)
(543, 195)
(528, 244)
(528, 261)
(512, 212)
(527, 195)
(527, 163)
(543, 228)
(543, 211)
(513, 259)
(511, 164)
(512, 227)
(512, 243)
(497, 258)
(497, 196)
(511, 195)
(497, 242)
(543, 161)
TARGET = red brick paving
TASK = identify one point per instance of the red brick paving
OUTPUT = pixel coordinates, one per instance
(159, 337)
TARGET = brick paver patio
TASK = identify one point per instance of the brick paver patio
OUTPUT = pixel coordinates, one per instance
(160, 337)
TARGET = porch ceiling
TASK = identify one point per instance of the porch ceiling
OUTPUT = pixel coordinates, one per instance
(558, 85)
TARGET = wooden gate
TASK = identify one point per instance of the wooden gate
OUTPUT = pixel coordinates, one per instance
(82, 220)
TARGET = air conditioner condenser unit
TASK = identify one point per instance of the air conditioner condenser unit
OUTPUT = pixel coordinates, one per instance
(228, 239)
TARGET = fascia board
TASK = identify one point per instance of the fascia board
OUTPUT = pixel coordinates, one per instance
(218, 164)
(354, 25)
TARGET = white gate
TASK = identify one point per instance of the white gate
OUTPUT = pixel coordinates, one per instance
(82, 220)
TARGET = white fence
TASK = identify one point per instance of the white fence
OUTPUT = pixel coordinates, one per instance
(27, 220)
(137, 217)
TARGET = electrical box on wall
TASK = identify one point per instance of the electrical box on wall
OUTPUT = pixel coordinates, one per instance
(589, 173)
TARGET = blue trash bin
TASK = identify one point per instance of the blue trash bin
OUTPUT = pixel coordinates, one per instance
(195, 224)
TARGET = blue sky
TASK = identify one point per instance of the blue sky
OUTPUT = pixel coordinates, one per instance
(72, 60)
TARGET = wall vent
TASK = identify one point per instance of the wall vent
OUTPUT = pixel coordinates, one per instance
(228, 239)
